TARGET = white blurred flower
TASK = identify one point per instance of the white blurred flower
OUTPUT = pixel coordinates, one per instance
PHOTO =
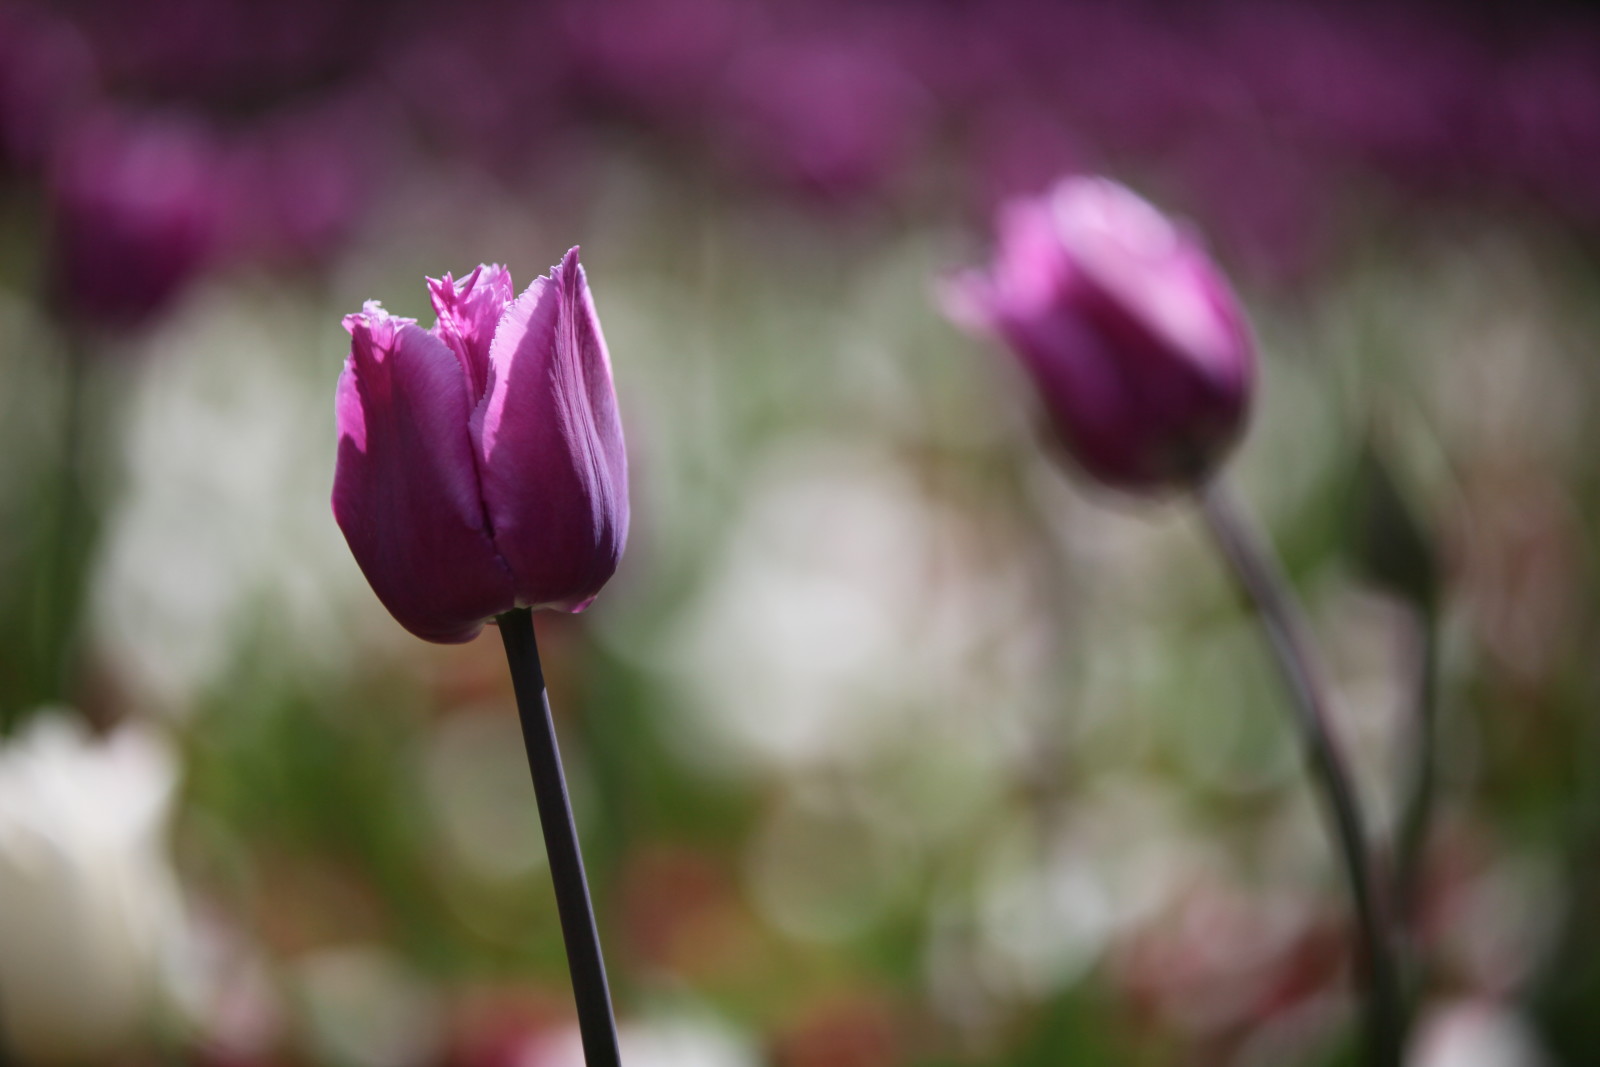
(852, 615)
(89, 914)
(365, 1007)
(820, 868)
(224, 521)
(224, 986)
(1374, 648)
(1468, 1033)
(475, 775)
(1040, 928)
(1497, 924)
(1049, 900)
(670, 1041)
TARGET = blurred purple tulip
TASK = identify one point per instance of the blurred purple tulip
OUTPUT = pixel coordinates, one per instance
(1016, 145)
(47, 77)
(135, 212)
(1264, 204)
(657, 59)
(1540, 124)
(481, 464)
(832, 119)
(489, 82)
(299, 183)
(239, 55)
(1136, 344)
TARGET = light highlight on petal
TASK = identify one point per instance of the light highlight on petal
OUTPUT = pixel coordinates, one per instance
(469, 311)
(405, 485)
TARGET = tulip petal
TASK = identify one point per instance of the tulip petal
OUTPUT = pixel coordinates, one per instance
(469, 311)
(405, 489)
(554, 469)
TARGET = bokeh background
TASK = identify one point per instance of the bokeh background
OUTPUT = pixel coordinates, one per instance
(892, 743)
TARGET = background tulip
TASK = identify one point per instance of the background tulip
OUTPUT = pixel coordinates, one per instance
(135, 215)
(1145, 364)
(481, 463)
(1138, 347)
(90, 901)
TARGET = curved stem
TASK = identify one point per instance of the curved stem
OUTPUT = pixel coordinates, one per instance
(589, 989)
(1255, 568)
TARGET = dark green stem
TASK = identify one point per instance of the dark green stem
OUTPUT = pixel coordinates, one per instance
(1411, 851)
(58, 584)
(1254, 566)
(578, 930)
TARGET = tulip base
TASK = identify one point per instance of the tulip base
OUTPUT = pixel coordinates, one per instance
(595, 1020)
(1255, 569)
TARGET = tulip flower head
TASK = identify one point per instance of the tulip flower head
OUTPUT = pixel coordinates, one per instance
(481, 464)
(1133, 338)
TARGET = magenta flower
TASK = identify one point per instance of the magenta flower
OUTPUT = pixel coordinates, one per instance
(48, 79)
(298, 183)
(481, 464)
(1136, 344)
(833, 120)
(135, 210)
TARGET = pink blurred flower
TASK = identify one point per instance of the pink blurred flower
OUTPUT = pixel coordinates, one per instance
(486, 82)
(847, 1029)
(1016, 146)
(494, 1026)
(481, 464)
(1266, 205)
(1136, 344)
(1222, 959)
(135, 213)
(47, 76)
(655, 58)
(1541, 121)
(236, 54)
(831, 118)
(299, 183)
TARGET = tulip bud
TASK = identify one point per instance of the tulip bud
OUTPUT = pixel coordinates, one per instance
(1137, 345)
(481, 464)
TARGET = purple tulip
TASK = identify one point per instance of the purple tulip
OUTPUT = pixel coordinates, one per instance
(134, 213)
(834, 120)
(1133, 338)
(481, 464)
(48, 78)
(299, 183)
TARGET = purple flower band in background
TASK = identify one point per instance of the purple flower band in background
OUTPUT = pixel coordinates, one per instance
(1251, 116)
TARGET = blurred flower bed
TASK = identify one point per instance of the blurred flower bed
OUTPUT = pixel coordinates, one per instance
(889, 746)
